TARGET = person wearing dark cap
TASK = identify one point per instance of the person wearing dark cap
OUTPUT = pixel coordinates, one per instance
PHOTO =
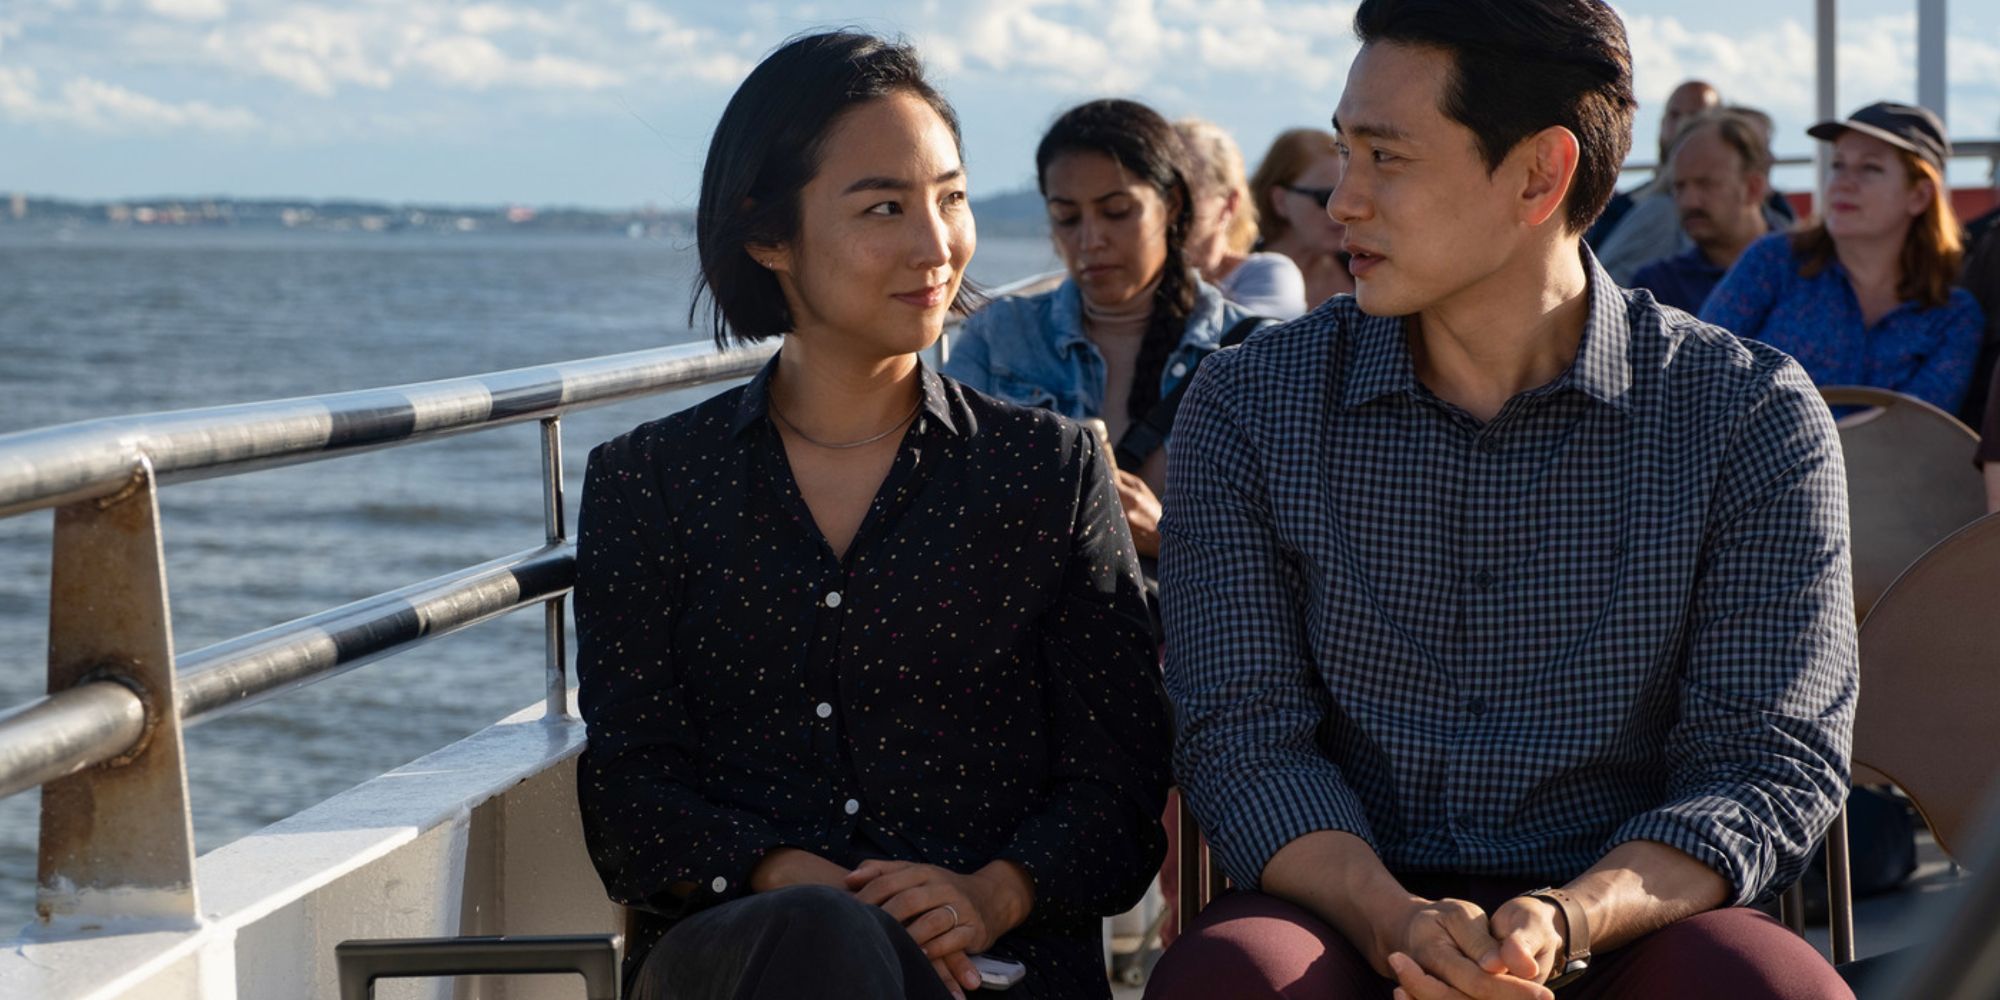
(1863, 294)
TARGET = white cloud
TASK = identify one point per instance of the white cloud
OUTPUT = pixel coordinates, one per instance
(1132, 46)
(473, 63)
(190, 10)
(678, 50)
(312, 48)
(494, 18)
(98, 106)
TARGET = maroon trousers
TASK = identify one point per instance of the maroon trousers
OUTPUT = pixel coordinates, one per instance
(1248, 945)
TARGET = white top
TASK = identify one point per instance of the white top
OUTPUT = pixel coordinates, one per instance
(1267, 284)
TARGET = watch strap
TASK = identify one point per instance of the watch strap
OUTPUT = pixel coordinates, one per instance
(1575, 956)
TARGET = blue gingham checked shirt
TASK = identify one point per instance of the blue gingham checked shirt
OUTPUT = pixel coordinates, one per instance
(1618, 611)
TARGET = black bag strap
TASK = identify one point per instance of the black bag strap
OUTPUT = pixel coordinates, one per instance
(1148, 433)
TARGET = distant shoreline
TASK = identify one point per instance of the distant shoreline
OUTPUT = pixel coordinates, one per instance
(1017, 213)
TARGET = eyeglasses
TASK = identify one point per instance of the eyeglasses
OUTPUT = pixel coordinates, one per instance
(1319, 195)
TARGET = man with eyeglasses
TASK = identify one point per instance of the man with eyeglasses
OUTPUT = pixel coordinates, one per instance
(1508, 613)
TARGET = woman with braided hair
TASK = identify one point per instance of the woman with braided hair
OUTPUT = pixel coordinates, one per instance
(1133, 318)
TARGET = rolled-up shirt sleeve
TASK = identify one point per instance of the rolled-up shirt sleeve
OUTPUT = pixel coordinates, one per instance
(1758, 758)
(1247, 698)
(657, 842)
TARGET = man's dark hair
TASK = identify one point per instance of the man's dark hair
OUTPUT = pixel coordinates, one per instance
(1520, 66)
(767, 147)
(1145, 145)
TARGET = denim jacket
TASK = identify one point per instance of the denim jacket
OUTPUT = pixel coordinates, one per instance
(1030, 349)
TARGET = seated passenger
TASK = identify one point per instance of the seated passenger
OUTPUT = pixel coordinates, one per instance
(1291, 187)
(1131, 321)
(1639, 226)
(1509, 623)
(1688, 99)
(865, 660)
(1721, 173)
(1863, 295)
(1225, 228)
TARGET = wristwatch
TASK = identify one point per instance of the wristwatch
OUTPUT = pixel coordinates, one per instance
(1575, 957)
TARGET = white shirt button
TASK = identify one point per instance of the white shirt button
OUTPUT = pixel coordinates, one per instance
(833, 598)
(1179, 370)
(852, 807)
(720, 884)
(825, 710)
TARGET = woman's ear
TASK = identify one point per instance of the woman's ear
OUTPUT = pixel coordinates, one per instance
(774, 258)
(1922, 193)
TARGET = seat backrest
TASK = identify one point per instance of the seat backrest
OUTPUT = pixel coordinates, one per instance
(1928, 717)
(1910, 482)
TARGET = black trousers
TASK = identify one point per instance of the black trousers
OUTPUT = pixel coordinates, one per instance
(789, 944)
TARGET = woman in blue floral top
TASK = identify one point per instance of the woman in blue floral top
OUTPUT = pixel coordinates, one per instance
(1863, 294)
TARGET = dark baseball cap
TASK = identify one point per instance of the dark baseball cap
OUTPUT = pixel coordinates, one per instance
(1904, 126)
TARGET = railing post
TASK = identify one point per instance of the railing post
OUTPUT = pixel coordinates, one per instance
(556, 656)
(117, 840)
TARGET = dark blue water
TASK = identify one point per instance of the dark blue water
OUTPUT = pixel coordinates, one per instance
(104, 322)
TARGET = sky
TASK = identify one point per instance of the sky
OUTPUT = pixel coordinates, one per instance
(609, 103)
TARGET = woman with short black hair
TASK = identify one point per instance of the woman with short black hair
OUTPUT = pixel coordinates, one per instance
(864, 656)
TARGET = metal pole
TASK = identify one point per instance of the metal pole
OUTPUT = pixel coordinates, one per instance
(557, 653)
(1826, 37)
(1931, 59)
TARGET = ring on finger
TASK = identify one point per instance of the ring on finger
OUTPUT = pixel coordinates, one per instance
(956, 920)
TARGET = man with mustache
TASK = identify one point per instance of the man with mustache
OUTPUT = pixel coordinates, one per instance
(1721, 173)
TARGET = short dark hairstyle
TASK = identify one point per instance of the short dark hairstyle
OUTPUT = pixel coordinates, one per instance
(1520, 66)
(767, 147)
(1144, 143)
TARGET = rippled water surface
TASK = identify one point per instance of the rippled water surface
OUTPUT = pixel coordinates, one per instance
(104, 322)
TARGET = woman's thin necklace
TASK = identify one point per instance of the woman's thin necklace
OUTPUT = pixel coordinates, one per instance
(840, 445)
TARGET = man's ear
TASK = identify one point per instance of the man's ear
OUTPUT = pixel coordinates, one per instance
(1552, 156)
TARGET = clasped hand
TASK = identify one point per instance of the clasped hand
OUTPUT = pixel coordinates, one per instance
(1449, 949)
(950, 915)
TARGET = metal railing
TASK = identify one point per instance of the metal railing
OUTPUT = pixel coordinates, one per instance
(105, 742)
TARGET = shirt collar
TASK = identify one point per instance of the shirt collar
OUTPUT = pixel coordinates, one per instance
(1380, 364)
(756, 400)
(1066, 317)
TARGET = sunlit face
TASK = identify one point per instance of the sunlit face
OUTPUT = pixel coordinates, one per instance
(1109, 226)
(884, 232)
(1302, 204)
(1720, 201)
(1870, 191)
(1425, 220)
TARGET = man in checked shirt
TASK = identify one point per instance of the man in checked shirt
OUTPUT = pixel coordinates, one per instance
(1508, 615)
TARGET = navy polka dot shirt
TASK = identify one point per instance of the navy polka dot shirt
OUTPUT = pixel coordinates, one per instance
(975, 680)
